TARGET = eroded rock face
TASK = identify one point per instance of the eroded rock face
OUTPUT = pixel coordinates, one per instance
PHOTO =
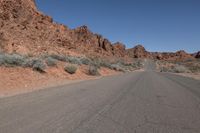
(25, 30)
(138, 52)
(183, 55)
(197, 55)
(179, 55)
(119, 49)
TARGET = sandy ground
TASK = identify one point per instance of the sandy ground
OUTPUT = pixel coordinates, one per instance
(20, 80)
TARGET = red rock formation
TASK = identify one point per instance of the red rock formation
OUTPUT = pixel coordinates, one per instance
(24, 29)
(93, 43)
(138, 52)
(179, 55)
(119, 49)
(182, 55)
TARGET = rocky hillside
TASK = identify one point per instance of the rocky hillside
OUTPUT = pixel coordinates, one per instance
(179, 55)
(196, 55)
(25, 30)
(138, 52)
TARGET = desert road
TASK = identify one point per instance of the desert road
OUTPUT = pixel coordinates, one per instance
(139, 102)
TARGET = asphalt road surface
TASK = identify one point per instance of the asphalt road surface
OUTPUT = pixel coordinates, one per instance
(139, 102)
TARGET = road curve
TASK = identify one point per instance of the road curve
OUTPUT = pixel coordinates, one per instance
(139, 102)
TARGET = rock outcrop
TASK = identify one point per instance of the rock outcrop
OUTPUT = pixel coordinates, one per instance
(179, 55)
(196, 55)
(25, 30)
(119, 49)
(138, 52)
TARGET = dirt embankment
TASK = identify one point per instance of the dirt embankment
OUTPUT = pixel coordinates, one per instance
(19, 80)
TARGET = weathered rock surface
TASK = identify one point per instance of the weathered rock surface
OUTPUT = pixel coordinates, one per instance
(25, 30)
(138, 52)
(196, 55)
(179, 55)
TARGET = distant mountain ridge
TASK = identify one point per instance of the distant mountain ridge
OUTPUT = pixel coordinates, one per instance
(25, 30)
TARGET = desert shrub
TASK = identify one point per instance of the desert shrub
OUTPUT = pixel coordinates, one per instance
(164, 69)
(12, 60)
(193, 66)
(122, 65)
(30, 62)
(93, 70)
(59, 57)
(117, 67)
(85, 61)
(118, 60)
(38, 65)
(194, 69)
(175, 69)
(179, 69)
(1, 59)
(102, 63)
(105, 63)
(74, 60)
(71, 69)
(137, 63)
(96, 62)
(43, 56)
(134, 65)
(51, 61)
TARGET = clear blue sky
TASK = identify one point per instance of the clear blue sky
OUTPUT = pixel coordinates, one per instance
(160, 25)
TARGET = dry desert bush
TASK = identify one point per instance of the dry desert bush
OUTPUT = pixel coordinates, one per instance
(71, 69)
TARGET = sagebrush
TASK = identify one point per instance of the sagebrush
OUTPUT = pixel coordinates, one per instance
(71, 69)
(93, 70)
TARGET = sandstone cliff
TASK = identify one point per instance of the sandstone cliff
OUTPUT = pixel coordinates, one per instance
(25, 30)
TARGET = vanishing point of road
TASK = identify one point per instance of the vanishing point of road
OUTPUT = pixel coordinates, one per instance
(139, 102)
